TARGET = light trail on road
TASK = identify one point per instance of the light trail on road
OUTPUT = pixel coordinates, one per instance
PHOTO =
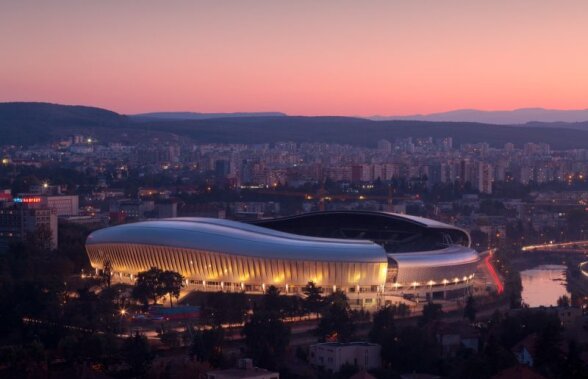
(554, 245)
(494, 275)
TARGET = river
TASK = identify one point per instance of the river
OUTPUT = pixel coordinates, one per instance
(543, 285)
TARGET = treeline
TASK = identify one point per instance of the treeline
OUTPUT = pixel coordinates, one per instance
(417, 348)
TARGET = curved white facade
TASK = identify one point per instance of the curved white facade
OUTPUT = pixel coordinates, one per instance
(236, 255)
(215, 254)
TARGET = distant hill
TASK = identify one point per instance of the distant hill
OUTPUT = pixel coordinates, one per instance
(357, 131)
(557, 125)
(517, 116)
(199, 116)
(30, 123)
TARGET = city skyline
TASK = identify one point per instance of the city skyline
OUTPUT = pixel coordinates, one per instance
(303, 58)
(293, 189)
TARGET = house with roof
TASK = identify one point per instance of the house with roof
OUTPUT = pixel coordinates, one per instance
(525, 350)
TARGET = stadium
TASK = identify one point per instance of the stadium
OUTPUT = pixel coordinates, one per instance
(374, 257)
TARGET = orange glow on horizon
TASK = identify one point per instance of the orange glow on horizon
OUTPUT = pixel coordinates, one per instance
(303, 57)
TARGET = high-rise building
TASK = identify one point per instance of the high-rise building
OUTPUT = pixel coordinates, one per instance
(361, 173)
(445, 144)
(433, 174)
(222, 168)
(18, 222)
(384, 146)
(64, 205)
(500, 171)
(485, 177)
(167, 209)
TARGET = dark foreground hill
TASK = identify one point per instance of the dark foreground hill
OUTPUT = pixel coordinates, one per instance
(29, 123)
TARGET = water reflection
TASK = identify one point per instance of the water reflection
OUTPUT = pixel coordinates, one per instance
(543, 285)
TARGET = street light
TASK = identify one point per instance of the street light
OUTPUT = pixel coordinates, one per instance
(122, 312)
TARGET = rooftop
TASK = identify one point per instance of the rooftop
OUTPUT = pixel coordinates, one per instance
(237, 238)
(244, 373)
(344, 344)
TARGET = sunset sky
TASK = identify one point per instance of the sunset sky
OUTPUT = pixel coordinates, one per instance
(299, 57)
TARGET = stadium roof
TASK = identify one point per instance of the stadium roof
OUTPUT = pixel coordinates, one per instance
(451, 255)
(416, 220)
(236, 238)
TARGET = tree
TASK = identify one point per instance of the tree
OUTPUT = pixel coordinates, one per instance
(412, 348)
(293, 306)
(479, 239)
(383, 326)
(313, 300)
(69, 348)
(431, 312)
(563, 301)
(383, 331)
(574, 367)
(207, 344)
(20, 261)
(25, 360)
(470, 310)
(72, 240)
(577, 220)
(266, 337)
(272, 301)
(172, 283)
(170, 337)
(41, 238)
(402, 310)
(106, 274)
(548, 355)
(226, 308)
(155, 283)
(137, 353)
(149, 286)
(98, 347)
(347, 370)
(336, 322)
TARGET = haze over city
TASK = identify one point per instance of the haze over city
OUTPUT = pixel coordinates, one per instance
(299, 57)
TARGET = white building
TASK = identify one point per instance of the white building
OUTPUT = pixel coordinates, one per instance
(331, 356)
(64, 205)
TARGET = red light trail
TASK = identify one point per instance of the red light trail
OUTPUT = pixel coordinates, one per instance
(494, 275)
